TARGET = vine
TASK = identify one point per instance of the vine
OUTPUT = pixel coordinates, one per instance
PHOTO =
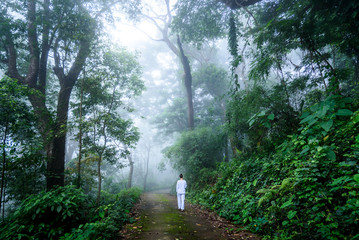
(233, 49)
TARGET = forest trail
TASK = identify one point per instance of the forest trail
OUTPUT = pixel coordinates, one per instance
(159, 219)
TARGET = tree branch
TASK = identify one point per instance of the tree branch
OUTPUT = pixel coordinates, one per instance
(45, 48)
(33, 70)
(59, 71)
(237, 4)
(12, 70)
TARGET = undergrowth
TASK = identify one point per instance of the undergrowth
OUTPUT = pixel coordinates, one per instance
(306, 189)
(67, 213)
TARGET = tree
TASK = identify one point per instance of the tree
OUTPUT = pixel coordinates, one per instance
(130, 175)
(162, 23)
(114, 78)
(147, 161)
(318, 29)
(18, 139)
(66, 29)
(197, 150)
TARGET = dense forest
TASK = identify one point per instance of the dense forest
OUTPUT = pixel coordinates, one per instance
(254, 101)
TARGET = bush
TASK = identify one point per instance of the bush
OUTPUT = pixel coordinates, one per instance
(307, 189)
(109, 218)
(47, 215)
(67, 213)
(195, 150)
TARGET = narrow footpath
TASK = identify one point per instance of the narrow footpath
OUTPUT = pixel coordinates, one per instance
(159, 219)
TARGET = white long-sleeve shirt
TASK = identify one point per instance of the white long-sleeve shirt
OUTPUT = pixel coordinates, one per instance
(181, 186)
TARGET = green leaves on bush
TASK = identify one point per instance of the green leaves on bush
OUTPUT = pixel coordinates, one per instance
(67, 213)
(306, 189)
(47, 215)
(108, 219)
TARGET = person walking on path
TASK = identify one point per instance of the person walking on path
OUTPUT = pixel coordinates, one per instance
(181, 192)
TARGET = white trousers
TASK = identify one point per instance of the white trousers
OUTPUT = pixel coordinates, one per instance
(180, 200)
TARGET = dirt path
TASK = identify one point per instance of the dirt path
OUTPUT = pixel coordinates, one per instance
(159, 219)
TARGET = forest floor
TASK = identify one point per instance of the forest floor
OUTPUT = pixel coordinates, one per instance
(157, 218)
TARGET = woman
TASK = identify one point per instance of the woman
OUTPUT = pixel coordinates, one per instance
(181, 191)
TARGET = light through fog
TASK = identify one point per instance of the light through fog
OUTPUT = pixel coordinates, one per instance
(139, 38)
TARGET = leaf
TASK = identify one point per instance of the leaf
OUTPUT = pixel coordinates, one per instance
(271, 117)
(291, 214)
(306, 149)
(309, 118)
(304, 115)
(327, 125)
(331, 155)
(314, 107)
(255, 182)
(267, 124)
(262, 113)
(312, 122)
(58, 209)
(251, 122)
(286, 204)
(344, 112)
(322, 111)
(356, 177)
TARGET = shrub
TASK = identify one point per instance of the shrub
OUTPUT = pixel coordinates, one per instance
(109, 218)
(195, 150)
(307, 189)
(47, 215)
(67, 213)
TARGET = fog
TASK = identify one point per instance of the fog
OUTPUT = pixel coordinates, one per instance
(162, 75)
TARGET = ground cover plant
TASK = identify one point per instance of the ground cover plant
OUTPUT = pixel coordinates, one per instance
(67, 213)
(306, 189)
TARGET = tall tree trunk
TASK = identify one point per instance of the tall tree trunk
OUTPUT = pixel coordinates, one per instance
(146, 171)
(129, 185)
(4, 196)
(53, 131)
(80, 140)
(187, 83)
(99, 179)
(56, 161)
(167, 20)
(2, 191)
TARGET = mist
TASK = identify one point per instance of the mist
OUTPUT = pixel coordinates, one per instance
(167, 119)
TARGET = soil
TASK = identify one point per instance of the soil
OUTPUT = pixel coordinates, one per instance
(157, 218)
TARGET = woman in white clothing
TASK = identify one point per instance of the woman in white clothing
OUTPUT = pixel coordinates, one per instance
(181, 191)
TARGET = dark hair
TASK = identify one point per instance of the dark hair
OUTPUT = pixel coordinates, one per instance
(181, 175)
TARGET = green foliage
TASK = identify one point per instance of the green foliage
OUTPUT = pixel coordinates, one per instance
(47, 215)
(109, 218)
(307, 189)
(19, 142)
(233, 48)
(259, 118)
(173, 119)
(210, 84)
(196, 150)
(316, 27)
(204, 21)
(67, 213)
